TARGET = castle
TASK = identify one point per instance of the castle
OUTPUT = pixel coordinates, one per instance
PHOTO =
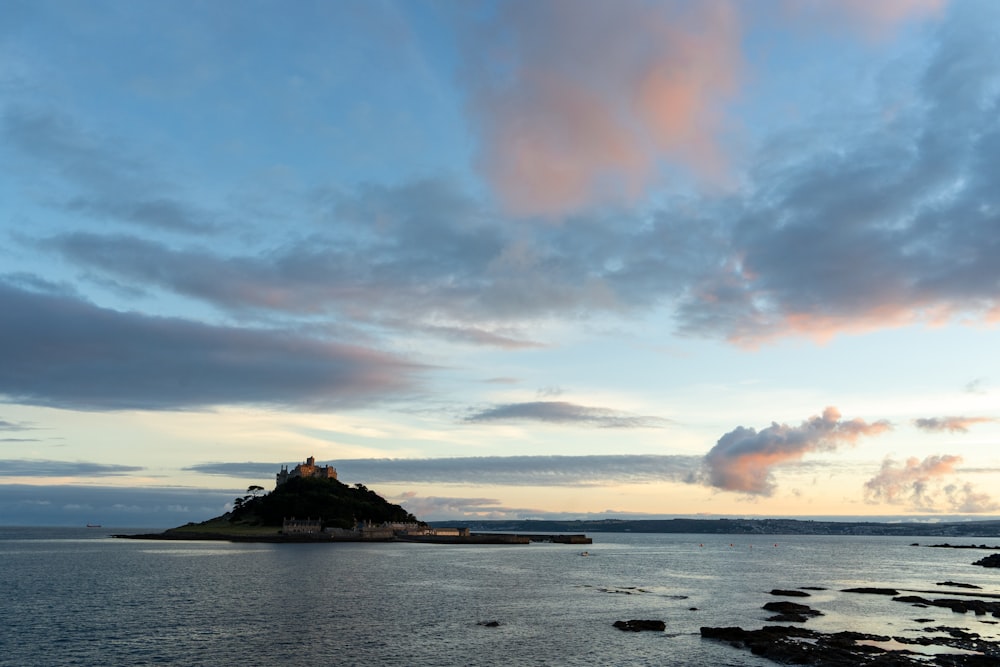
(307, 469)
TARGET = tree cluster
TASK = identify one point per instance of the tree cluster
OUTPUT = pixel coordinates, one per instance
(336, 503)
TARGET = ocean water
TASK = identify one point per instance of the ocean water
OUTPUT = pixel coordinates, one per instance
(78, 597)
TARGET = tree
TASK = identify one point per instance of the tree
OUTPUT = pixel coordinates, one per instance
(253, 490)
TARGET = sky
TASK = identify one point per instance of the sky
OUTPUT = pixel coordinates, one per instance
(501, 260)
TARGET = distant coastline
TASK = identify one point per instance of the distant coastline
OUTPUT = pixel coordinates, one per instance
(743, 527)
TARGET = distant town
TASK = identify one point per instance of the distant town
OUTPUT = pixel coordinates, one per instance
(748, 527)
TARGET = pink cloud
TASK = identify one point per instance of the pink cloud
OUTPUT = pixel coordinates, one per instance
(897, 483)
(578, 101)
(919, 483)
(873, 18)
(743, 458)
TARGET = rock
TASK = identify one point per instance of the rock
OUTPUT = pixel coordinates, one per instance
(787, 618)
(872, 591)
(792, 594)
(489, 624)
(636, 625)
(978, 607)
(955, 584)
(993, 560)
(790, 612)
(799, 646)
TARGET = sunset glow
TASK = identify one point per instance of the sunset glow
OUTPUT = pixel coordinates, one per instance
(565, 258)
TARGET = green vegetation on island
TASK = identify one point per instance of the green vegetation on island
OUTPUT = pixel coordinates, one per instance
(334, 503)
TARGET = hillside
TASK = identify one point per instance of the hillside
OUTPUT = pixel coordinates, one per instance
(337, 504)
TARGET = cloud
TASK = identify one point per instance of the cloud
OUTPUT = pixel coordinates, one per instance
(841, 224)
(849, 226)
(742, 460)
(12, 426)
(561, 412)
(589, 114)
(873, 19)
(65, 505)
(99, 178)
(41, 468)
(444, 507)
(964, 498)
(62, 352)
(951, 424)
(918, 483)
(493, 470)
(977, 386)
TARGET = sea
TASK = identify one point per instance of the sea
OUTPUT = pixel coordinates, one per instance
(77, 596)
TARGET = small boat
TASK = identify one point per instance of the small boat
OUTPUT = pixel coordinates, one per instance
(584, 553)
(93, 525)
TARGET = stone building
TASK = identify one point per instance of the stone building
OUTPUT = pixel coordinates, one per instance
(295, 526)
(307, 469)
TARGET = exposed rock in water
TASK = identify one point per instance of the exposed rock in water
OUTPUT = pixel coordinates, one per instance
(993, 560)
(978, 607)
(798, 646)
(790, 612)
(789, 593)
(955, 584)
(489, 624)
(962, 546)
(639, 625)
(872, 591)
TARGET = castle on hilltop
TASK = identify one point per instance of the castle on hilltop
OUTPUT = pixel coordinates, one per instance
(307, 469)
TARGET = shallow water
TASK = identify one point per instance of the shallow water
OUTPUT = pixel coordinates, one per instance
(77, 597)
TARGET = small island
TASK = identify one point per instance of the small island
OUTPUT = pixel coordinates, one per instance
(309, 504)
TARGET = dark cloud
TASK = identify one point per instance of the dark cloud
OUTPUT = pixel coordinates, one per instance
(41, 468)
(842, 225)
(30, 505)
(561, 412)
(63, 352)
(856, 226)
(951, 424)
(498, 470)
(742, 459)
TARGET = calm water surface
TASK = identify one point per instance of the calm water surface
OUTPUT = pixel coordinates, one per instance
(78, 597)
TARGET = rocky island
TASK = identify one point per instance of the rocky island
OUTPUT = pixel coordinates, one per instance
(309, 504)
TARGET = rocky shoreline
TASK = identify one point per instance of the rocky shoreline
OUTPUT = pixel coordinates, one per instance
(794, 645)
